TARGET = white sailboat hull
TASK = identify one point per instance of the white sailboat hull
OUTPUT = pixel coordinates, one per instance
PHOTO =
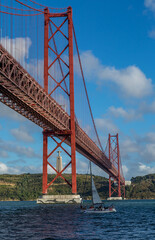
(99, 211)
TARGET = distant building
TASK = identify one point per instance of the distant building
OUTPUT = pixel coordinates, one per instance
(127, 183)
(59, 162)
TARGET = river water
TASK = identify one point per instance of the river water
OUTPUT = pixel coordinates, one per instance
(134, 219)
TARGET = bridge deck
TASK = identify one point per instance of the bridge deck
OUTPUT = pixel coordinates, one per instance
(21, 92)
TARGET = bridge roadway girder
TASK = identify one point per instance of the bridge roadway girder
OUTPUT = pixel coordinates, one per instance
(22, 93)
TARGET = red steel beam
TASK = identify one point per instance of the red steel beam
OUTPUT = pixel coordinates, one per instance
(114, 157)
(45, 146)
(47, 67)
(72, 110)
(21, 92)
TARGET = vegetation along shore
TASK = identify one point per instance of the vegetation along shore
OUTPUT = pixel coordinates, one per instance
(26, 187)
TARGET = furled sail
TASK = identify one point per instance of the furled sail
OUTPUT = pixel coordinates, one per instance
(95, 197)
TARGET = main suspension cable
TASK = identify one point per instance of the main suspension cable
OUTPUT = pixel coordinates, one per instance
(17, 14)
(86, 89)
(17, 9)
(46, 6)
(29, 6)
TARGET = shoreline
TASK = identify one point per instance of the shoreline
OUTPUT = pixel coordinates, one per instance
(132, 199)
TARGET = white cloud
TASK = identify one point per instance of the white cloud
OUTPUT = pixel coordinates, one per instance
(82, 166)
(22, 135)
(19, 150)
(18, 47)
(150, 137)
(140, 148)
(131, 81)
(129, 115)
(5, 169)
(9, 113)
(125, 170)
(129, 146)
(146, 169)
(150, 4)
(28, 152)
(106, 125)
(36, 69)
(132, 114)
(147, 108)
(148, 152)
(29, 169)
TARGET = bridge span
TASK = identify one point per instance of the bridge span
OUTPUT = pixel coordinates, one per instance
(21, 92)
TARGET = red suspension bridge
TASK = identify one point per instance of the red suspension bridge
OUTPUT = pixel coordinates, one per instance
(41, 77)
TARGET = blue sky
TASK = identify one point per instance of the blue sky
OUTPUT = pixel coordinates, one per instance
(116, 40)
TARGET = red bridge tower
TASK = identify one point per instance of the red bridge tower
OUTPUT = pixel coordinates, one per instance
(63, 135)
(116, 185)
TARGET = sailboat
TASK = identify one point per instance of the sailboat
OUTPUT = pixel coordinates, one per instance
(97, 205)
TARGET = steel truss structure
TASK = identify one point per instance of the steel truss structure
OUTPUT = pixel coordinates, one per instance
(117, 183)
(48, 37)
(20, 91)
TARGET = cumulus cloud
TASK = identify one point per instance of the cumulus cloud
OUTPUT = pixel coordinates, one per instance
(21, 134)
(140, 148)
(7, 112)
(132, 114)
(19, 150)
(129, 115)
(5, 169)
(150, 4)
(131, 81)
(146, 169)
(147, 108)
(125, 170)
(82, 166)
(148, 152)
(18, 47)
(106, 125)
(36, 69)
(29, 169)
(138, 169)
(150, 137)
(129, 146)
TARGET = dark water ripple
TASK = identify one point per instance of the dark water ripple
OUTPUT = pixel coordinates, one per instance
(27, 220)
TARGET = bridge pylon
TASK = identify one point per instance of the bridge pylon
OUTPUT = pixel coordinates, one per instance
(53, 83)
(116, 184)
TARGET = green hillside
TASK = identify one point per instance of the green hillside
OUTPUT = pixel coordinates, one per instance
(29, 186)
(141, 187)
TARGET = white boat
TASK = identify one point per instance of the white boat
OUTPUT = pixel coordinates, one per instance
(102, 210)
(97, 205)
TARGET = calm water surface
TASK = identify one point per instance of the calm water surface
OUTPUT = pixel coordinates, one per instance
(27, 220)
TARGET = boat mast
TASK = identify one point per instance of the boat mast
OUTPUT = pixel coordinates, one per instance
(91, 182)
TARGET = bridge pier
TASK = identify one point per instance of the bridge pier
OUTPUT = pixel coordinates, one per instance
(53, 199)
